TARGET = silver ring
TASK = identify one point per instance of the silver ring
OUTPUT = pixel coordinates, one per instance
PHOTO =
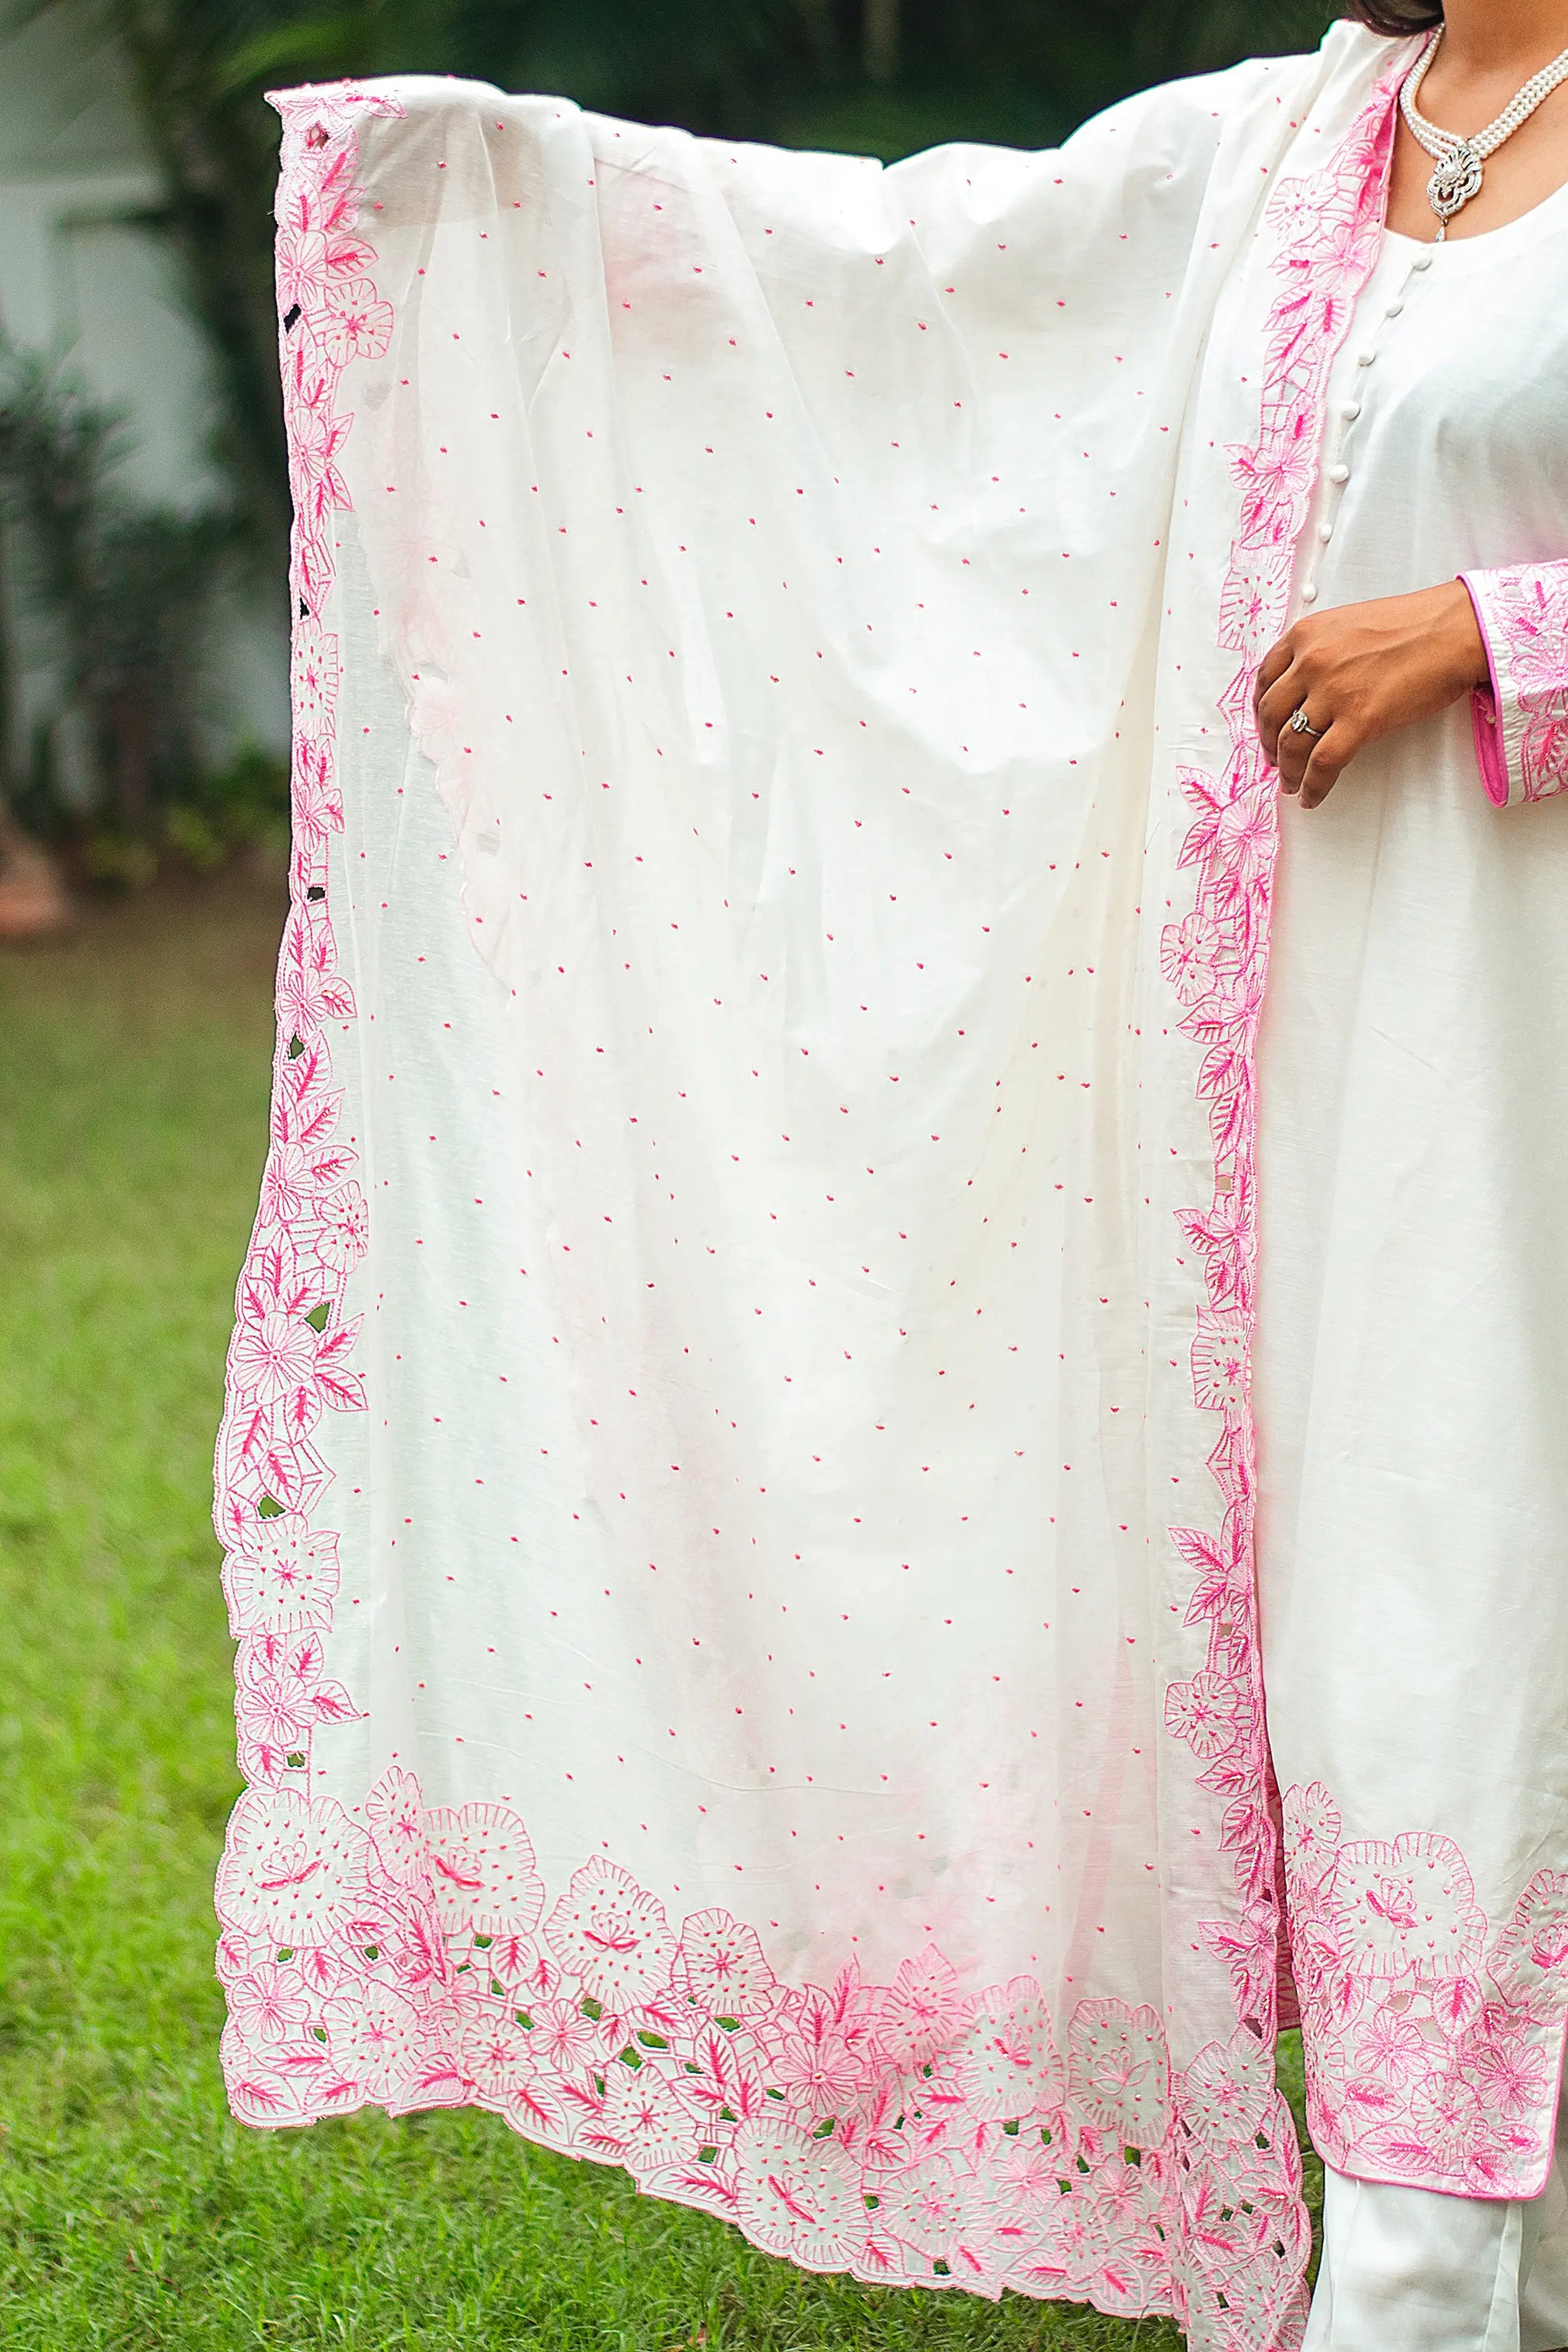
(1299, 725)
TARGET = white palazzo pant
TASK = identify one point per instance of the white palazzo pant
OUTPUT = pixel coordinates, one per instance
(1406, 2270)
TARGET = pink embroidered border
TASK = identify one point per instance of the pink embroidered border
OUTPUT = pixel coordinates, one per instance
(289, 1359)
(1433, 2044)
(1521, 720)
(1329, 226)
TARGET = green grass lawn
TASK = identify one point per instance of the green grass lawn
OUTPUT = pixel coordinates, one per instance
(133, 2211)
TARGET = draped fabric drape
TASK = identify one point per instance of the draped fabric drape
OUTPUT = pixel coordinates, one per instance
(737, 1471)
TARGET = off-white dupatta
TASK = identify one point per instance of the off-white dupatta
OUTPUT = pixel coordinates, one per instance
(737, 1472)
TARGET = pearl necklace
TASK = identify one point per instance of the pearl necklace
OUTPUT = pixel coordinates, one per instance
(1460, 161)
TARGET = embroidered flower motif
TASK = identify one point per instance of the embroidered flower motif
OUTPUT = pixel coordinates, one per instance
(318, 484)
(798, 2197)
(1406, 1909)
(379, 2042)
(1392, 2047)
(1228, 2093)
(313, 678)
(1027, 2172)
(281, 1576)
(1210, 1713)
(293, 1867)
(646, 2122)
(1009, 2057)
(273, 1357)
(1528, 1964)
(567, 2040)
(1277, 482)
(1246, 838)
(1312, 1833)
(317, 801)
(612, 1935)
(498, 2056)
(1191, 955)
(1511, 2078)
(723, 1966)
(1256, 589)
(1448, 2118)
(394, 1816)
(924, 2012)
(1119, 2073)
(284, 1185)
(926, 2207)
(818, 2073)
(270, 2004)
(1219, 1362)
(483, 1871)
(301, 267)
(341, 1236)
(282, 1693)
(350, 321)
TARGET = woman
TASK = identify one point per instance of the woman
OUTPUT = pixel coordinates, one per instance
(1408, 1565)
(754, 1663)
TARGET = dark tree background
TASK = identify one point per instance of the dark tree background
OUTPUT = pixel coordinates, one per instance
(881, 76)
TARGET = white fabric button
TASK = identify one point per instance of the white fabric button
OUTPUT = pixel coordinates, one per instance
(1325, 531)
(1393, 310)
(1364, 359)
(1339, 473)
(1350, 411)
(1422, 261)
(1309, 592)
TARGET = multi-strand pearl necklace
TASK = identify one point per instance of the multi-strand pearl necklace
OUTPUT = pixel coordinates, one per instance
(1460, 162)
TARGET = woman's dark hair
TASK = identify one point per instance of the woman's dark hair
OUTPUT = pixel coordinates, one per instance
(1395, 17)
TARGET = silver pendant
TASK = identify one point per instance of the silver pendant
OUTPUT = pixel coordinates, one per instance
(1457, 179)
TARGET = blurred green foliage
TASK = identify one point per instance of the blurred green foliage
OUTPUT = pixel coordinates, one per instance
(118, 596)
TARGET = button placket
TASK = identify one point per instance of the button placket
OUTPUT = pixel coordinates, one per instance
(1337, 473)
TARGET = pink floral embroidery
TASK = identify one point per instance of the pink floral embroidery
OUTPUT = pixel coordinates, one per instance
(1521, 725)
(1431, 2043)
(905, 2131)
(1240, 2178)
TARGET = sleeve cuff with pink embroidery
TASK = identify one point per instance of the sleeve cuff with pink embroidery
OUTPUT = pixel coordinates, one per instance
(1522, 717)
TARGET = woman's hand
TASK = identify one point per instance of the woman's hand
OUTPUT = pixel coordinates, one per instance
(1359, 672)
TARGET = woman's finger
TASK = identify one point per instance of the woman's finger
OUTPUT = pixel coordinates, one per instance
(1292, 757)
(1328, 761)
(1273, 667)
(1284, 696)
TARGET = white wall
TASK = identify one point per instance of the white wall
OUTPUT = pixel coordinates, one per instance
(80, 276)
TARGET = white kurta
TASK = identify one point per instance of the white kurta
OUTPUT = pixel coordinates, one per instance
(1412, 1352)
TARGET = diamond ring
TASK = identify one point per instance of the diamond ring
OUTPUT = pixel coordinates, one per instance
(1298, 725)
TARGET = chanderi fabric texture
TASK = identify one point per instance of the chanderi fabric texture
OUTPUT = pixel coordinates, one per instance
(738, 1481)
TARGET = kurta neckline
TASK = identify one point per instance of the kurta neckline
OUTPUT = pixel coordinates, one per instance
(1542, 220)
